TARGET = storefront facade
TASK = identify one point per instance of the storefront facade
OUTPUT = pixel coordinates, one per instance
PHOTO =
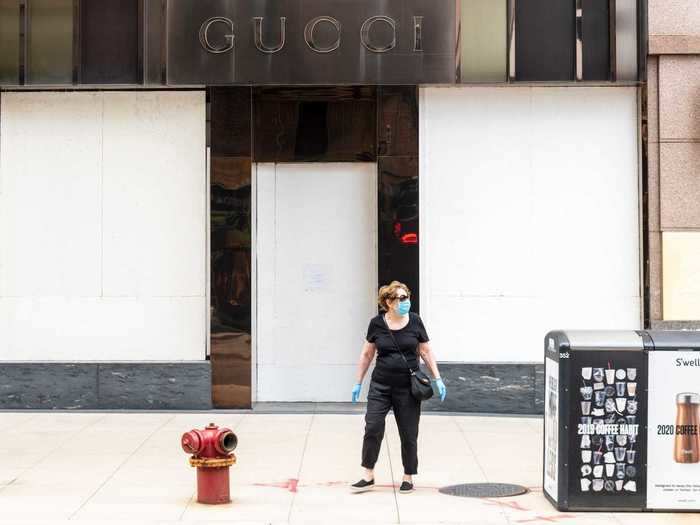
(198, 200)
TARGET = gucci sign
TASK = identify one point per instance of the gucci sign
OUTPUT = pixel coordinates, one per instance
(227, 41)
(310, 42)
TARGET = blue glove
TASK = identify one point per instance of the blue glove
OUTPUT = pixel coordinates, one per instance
(356, 392)
(442, 389)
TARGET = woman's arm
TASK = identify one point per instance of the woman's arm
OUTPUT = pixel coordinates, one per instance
(366, 356)
(428, 357)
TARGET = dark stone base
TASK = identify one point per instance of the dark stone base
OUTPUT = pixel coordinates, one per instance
(498, 388)
(95, 386)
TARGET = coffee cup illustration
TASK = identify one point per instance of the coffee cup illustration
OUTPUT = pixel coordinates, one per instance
(620, 470)
(585, 441)
(620, 453)
(597, 457)
(610, 443)
(621, 403)
(610, 376)
(620, 388)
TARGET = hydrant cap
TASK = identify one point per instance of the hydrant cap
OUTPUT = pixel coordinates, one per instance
(191, 442)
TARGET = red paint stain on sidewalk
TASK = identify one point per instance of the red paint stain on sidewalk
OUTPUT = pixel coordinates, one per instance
(291, 485)
(510, 504)
(551, 519)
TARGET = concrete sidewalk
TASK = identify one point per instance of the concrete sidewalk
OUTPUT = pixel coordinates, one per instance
(292, 468)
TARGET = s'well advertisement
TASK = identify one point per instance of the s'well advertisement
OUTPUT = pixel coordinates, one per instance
(673, 480)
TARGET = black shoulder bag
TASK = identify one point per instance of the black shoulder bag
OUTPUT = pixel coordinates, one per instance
(421, 388)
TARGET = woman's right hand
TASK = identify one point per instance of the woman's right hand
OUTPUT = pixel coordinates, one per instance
(356, 392)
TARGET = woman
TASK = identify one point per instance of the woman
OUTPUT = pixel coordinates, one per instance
(390, 386)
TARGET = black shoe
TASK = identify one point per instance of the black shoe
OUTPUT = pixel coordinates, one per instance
(362, 486)
(406, 487)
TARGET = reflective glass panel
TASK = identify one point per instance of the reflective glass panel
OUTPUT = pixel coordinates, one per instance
(50, 42)
(324, 124)
(398, 223)
(397, 131)
(595, 23)
(545, 39)
(626, 44)
(154, 55)
(483, 25)
(231, 255)
(231, 292)
(230, 123)
(9, 42)
(109, 42)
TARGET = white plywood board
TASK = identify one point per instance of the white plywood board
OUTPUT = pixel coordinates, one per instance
(102, 226)
(529, 200)
(316, 277)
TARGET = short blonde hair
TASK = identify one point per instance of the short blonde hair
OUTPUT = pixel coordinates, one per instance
(388, 292)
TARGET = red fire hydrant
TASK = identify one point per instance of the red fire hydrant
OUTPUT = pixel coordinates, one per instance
(211, 451)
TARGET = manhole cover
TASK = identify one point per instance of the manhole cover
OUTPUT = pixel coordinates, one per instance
(483, 490)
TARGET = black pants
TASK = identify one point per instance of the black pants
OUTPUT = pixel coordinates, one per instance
(406, 409)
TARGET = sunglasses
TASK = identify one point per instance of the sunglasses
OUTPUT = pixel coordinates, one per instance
(401, 298)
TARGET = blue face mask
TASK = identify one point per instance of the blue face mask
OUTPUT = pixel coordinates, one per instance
(404, 307)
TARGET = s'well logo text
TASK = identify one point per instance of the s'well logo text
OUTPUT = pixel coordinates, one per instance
(680, 361)
(226, 42)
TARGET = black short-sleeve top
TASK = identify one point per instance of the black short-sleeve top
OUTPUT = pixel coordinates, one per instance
(391, 369)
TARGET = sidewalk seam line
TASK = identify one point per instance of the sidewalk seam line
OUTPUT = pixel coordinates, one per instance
(119, 467)
(393, 481)
(478, 464)
(301, 464)
(37, 462)
(189, 502)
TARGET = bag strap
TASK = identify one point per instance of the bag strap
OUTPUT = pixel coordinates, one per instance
(397, 345)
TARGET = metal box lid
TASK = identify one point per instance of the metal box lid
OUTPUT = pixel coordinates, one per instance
(604, 340)
(675, 339)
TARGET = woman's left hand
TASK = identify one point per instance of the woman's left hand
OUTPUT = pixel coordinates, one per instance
(442, 389)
